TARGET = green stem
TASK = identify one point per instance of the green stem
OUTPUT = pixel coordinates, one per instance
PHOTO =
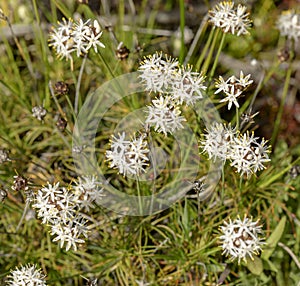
(182, 24)
(204, 51)
(77, 93)
(237, 118)
(213, 69)
(139, 196)
(211, 51)
(281, 107)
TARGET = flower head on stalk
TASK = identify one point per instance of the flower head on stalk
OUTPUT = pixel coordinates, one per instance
(248, 155)
(77, 37)
(187, 86)
(240, 238)
(230, 19)
(58, 207)
(233, 88)
(26, 275)
(217, 141)
(164, 115)
(288, 24)
(128, 156)
(157, 72)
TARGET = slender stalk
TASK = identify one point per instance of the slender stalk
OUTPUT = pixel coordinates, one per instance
(213, 69)
(281, 107)
(201, 30)
(182, 24)
(204, 50)
(23, 215)
(139, 196)
(290, 252)
(211, 51)
(77, 93)
(237, 118)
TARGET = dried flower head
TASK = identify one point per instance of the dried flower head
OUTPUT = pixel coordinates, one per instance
(122, 52)
(39, 112)
(26, 275)
(20, 183)
(230, 19)
(240, 239)
(61, 123)
(288, 24)
(61, 88)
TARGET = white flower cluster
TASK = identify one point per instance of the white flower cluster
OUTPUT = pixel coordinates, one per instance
(77, 37)
(59, 207)
(240, 239)
(288, 24)
(130, 157)
(164, 115)
(39, 112)
(176, 85)
(26, 275)
(166, 76)
(233, 88)
(244, 151)
(230, 18)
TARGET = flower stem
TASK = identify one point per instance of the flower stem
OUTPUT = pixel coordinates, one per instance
(213, 69)
(182, 24)
(281, 107)
(77, 93)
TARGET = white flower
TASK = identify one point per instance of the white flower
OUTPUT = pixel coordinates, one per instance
(240, 239)
(39, 112)
(70, 232)
(218, 140)
(4, 156)
(230, 19)
(61, 39)
(128, 156)
(288, 25)
(233, 88)
(58, 207)
(157, 74)
(69, 37)
(89, 191)
(247, 155)
(87, 36)
(27, 275)
(164, 115)
(187, 86)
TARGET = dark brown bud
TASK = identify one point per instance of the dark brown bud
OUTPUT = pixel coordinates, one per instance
(20, 184)
(122, 53)
(283, 55)
(61, 123)
(61, 88)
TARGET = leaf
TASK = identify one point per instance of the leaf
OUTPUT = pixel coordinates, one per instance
(268, 265)
(255, 265)
(273, 239)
